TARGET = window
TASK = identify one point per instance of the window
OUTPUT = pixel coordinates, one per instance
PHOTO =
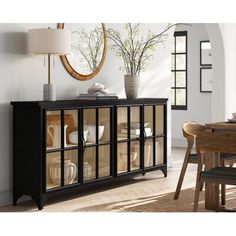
(179, 71)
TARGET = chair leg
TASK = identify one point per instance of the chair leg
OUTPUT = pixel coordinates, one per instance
(202, 184)
(217, 196)
(199, 182)
(222, 163)
(182, 173)
(196, 197)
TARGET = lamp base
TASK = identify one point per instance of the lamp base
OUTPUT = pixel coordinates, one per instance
(49, 92)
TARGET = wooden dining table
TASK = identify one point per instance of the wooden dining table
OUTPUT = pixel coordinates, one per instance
(213, 160)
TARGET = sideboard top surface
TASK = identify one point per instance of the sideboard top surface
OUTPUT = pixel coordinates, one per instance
(81, 103)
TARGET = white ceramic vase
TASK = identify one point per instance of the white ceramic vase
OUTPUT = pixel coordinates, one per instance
(70, 172)
(132, 84)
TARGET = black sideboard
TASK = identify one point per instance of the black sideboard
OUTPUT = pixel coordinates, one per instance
(69, 145)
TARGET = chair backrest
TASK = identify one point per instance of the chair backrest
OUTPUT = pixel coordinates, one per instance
(216, 142)
(191, 129)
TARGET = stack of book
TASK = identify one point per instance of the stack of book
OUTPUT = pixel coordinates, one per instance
(96, 96)
(134, 133)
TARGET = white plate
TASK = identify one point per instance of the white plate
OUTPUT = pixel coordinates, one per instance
(232, 120)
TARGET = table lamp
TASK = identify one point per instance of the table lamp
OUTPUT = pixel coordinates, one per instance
(50, 42)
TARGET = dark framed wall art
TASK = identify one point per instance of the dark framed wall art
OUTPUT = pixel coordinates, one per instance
(205, 53)
(206, 79)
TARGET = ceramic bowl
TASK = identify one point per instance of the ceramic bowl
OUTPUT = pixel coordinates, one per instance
(92, 132)
(73, 137)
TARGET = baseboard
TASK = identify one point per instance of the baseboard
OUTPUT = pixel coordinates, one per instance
(5, 197)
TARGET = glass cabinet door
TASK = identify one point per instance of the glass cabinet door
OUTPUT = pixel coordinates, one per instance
(97, 135)
(154, 135)
(128, 138)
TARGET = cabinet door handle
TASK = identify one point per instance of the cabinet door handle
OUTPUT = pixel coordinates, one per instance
(144, 134)
(83, 144)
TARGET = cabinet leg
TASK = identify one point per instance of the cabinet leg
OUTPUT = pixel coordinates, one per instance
(39, 201)
(16, 196)
(164, 171)
(143, 173)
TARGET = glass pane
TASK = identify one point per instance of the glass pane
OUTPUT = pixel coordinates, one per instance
(159, 151)
(104, 161)
(71, 127)
(104, 124)
(181, 62)
(181, 44)
(134, 122)
(180, 79)
(172, 96)
(159, 120)
(134, 155)
(90, 126)
(122, 119)
(53, 170)
(148, 120)
(172, 62)
(148, 153)
(53, 129)
(122, 157)
(71, 167)
(173, 79)
(89, 163)
(181, 97)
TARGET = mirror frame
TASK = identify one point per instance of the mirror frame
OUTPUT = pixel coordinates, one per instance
(72, 71)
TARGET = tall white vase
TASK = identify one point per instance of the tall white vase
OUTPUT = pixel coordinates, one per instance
(132, 84)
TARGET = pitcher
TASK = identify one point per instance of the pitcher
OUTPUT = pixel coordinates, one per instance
(54, 131)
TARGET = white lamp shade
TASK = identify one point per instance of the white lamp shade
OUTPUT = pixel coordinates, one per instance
(49, 41)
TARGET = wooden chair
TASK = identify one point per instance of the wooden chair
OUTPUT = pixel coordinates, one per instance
(218, 143)
(190, 131)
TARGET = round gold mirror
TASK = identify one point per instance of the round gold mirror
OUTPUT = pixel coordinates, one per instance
(88, 50)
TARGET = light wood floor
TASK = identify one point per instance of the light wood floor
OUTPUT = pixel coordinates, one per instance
(124, 196)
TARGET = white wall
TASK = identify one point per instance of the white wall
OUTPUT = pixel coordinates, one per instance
(228, 32)
(218, 60)
(22, 76)
(199, 104)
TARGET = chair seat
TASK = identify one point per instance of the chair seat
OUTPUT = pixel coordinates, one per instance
(228, 156)
(220, 172)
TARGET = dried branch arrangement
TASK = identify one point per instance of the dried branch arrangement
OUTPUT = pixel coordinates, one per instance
(89, 46)
(135, 50)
